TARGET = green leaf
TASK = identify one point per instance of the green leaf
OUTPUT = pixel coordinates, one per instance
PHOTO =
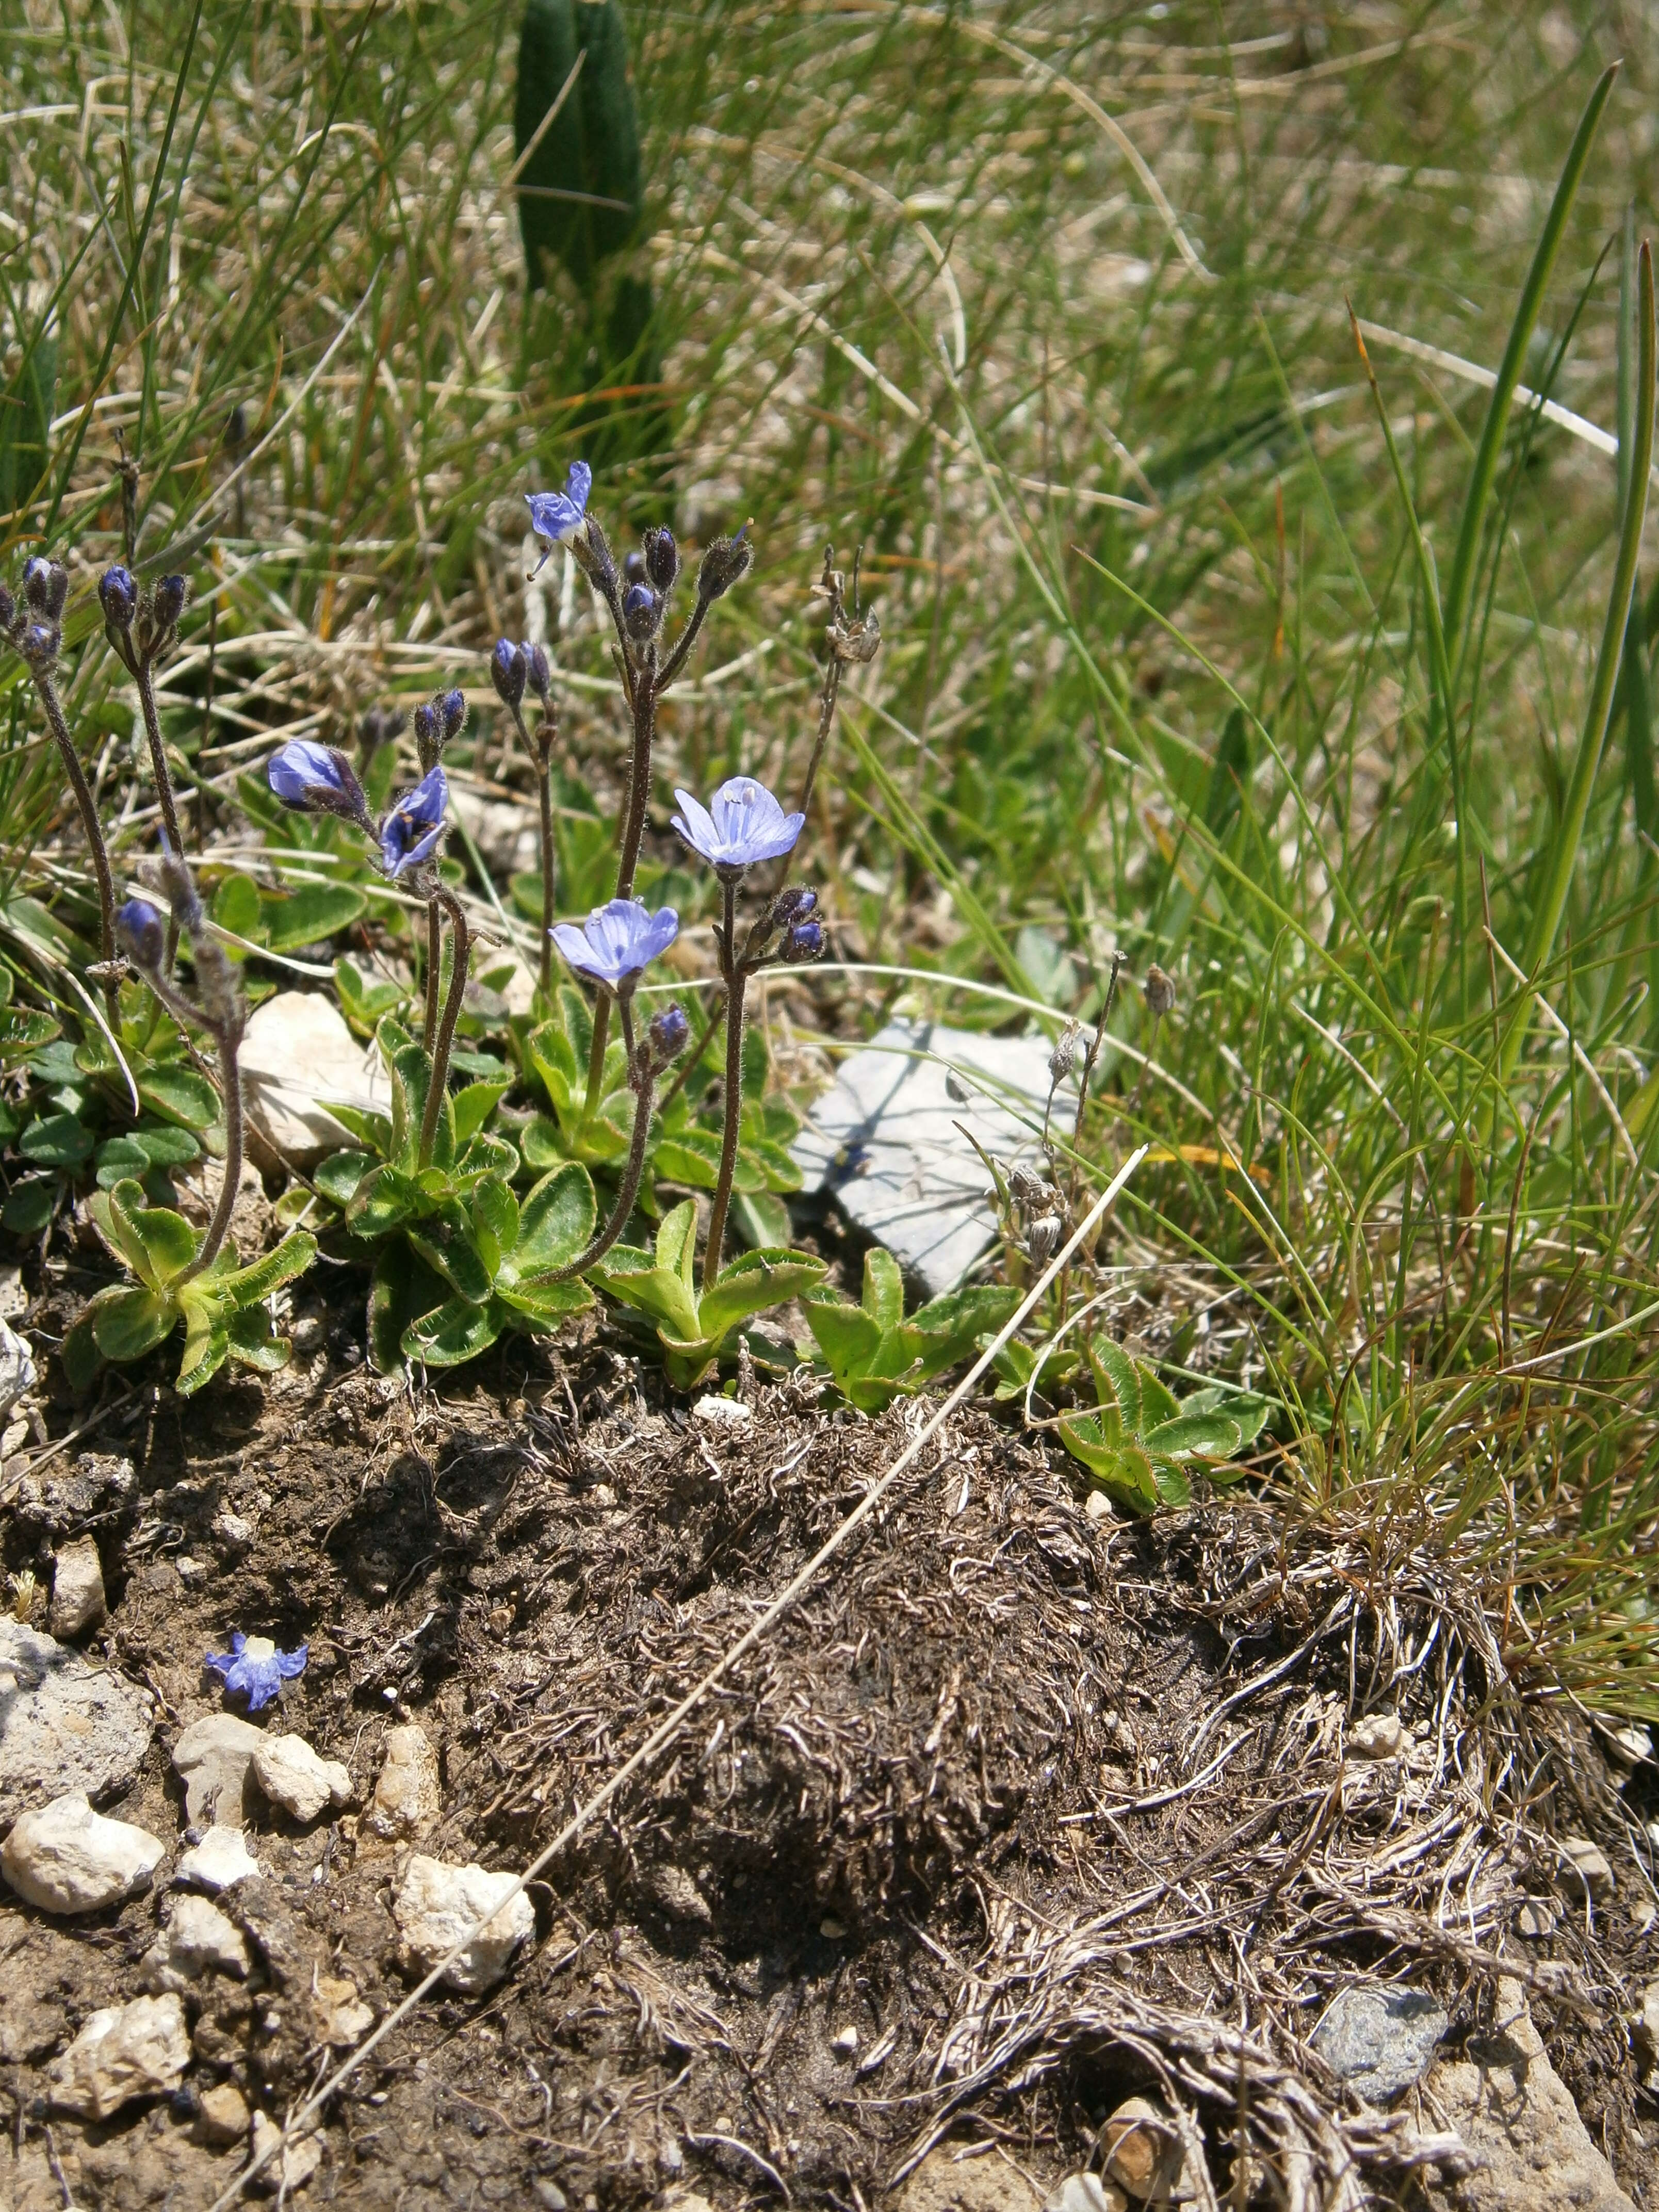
(676, 1244)
(236, 906)
(22, 1029)
(57, 1141)
(367, 1124)
(689, 1155)
(751, 1283)
(206, 1342)
(1193, 1436)
(29, 1204)
(760, 1219)
(445, 1241)
(164, 1145)
(134, 1323)
(947, 1328)
(309, 914)
(180, 1095)
(494, 1216)
(251, 1343)
(401, 1289)
(486, 1155)
(121, 1159)
(845, 1334)
(883, 1288)
(452, 1333)
(542, 1142)
(473, 1106)
(1123, 1470)
(341, 1175)
(555, 1223)
(544, 1304)
(1118, 1381)
(247, 1286)
(79, 1353)
(633, 1277)
(156, 1243)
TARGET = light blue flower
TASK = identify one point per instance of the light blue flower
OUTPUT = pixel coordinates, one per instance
(743, 824)
(317, 778)
(403, 846)
(558, 515)
(617, 940)
(141, 933)
(254, 1664)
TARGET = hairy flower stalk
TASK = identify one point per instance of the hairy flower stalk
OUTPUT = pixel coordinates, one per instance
(638, 600)
(512, 669)
(35, 629)
(612, 948)
(143, 628)
(742, 826)
(317, 778)
(435, 724)
(220, 1010)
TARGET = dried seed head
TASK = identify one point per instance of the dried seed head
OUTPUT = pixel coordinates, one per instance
(1042, 1239)
(726, 562)
(1160, 991)
(1063, 1058)
(1029, 1191)
(859, 641)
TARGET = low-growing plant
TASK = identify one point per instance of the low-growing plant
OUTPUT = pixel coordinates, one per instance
(874, 1353)
(1141, 1443)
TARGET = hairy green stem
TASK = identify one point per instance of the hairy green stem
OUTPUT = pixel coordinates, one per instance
(90, 823)
(545, 738)
(145, 676)
(433, 961)
(438, 1079)
(644, 1083)
(735, 977)
(229, 1041)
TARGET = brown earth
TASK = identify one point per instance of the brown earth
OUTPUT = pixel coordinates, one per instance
(1019, 1812)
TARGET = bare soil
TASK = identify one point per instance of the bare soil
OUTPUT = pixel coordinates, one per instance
(1019, 1812)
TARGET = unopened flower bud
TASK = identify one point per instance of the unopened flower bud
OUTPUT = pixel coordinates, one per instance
(57, 590)
(118, 595)
(428, 734)
(507, 671)
(669, 1034)
(169, 602)
(633, 568)
(538, 673)
(792, 904)
(39, 644)
(804, 941)
(641, 612)
(37, 580)
(1160, 991)
(141, 933)
(452, 709)
(726, 562)
(662, 558)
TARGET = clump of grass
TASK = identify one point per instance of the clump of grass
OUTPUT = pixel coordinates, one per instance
(1190, 656)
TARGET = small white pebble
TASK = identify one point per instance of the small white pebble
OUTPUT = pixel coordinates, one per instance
(721, 1412)
(1099, 1506)
(831, 1928)
(847, 2041)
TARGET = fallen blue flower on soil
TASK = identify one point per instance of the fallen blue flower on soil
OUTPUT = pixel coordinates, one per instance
(254, 1664)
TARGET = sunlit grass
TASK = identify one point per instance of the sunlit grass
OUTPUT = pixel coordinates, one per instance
(1046, 309)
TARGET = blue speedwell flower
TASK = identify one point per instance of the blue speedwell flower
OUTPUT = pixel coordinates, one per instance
(558, 515)
(410, 831)
(317, 778)
(617, 940)
(254, 1664)
(142, 932)
(742, 823)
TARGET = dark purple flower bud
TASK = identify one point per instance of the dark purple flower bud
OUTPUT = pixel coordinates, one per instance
(57, 590)
(118, 595)
(634, 568)
(452, 709)
(318, 779)
(662, 558)
(141, 933)
(726, 562)
(428, 734)
(37, 581)
(507, 671)
(669, 1033)
(641, 612)
(169, 602)
(804, 941)
(39, 644)
(538, 672)
(793, 904)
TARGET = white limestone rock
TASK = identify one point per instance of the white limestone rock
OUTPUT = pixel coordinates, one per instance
(409, 1794)
(437, 1904)
(69, 1725)
(291, 2165)
(78, 1602)
(293, 1775)
(219, 1861)
(213, 1756)
(67, 1858)
(297, 1054)
(123, 2051)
